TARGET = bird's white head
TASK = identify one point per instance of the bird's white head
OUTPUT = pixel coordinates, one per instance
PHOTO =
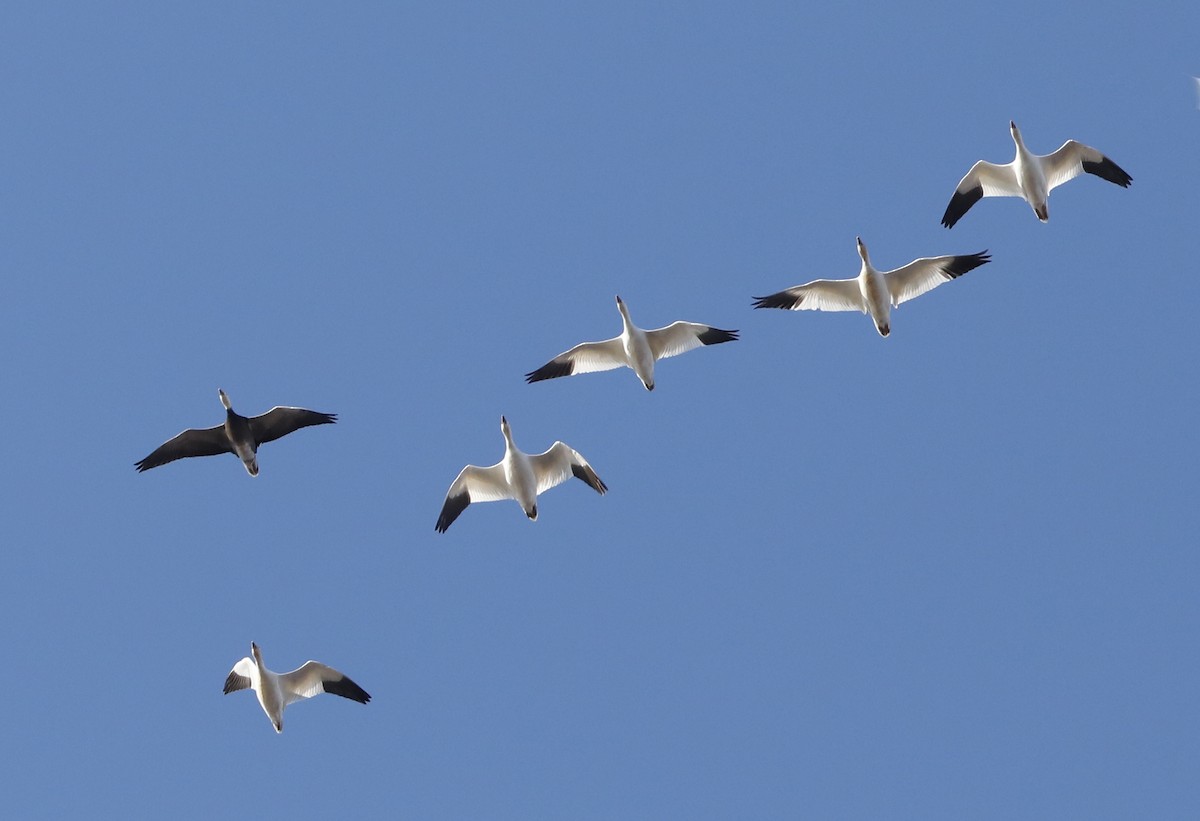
(224, 399)
(1016, 132)
(624, 309)
(862, 248)
(504, 427)
(256, 652)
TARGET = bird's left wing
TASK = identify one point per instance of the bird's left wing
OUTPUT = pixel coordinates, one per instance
(313, 678)
(280, 421)
(1075, 158)
(925, 274)
(681, 337)
(559, 463)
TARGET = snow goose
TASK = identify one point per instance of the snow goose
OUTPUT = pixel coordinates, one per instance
(634, 348)
(239, 435)
(1030, 176)
(519, 476)
(874, 292)
(277, 690)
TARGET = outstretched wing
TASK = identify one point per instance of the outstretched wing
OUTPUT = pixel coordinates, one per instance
(985, 179)
(681, 337)
(313, 678)
(818, 295)
(280, 421)
(586, 357)
(473, 484)
(925, 274)
(559, 463)
(1075, 158)
(192, 442)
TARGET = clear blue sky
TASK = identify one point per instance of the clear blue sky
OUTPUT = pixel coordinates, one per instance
(948, 574)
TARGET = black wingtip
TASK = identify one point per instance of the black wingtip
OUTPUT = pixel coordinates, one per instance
(782, 300)
(715, 336)
(551, 370)
(346, 688)
(960, 203)
(588, 475)
(454, 506)
(1106, 169)
(959, 265)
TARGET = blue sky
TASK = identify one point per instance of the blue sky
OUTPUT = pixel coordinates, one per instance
(947, 574)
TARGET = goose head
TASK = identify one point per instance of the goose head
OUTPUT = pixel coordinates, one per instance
(505, 429)
(254, 651)
(624, 309)
(1016, 133)
(224, 399)
(862, 250)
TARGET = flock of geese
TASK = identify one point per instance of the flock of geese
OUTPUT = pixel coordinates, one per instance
(522, 477)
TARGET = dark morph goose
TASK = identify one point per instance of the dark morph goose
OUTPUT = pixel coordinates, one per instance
(634, 348)
(519, 476)
(1031, 177)
(239, 435)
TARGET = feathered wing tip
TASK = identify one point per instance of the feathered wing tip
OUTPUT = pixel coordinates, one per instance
(715, 336)
(960, 203)
(963, 263)
(346, 688)
(782, 299)
(234, 682)
(551, 370)
(588, 475)
(454, 506)
(1106, 169)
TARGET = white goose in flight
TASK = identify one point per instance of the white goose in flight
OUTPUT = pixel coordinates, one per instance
(277, 690)
(1030, 176)
(239, 435)
(519, 476)
(634, 348)
(874, 292)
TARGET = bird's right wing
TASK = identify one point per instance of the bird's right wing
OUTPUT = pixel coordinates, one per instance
(192, 442)
(239, 677)
(818, 295)
(985, 179)
(586, 357)
(473, 484)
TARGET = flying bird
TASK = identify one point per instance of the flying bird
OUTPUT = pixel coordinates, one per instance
(634, 348)
(239, 435)
(873, 291)
(518, 476)
(276, 691)
(1030, 176)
